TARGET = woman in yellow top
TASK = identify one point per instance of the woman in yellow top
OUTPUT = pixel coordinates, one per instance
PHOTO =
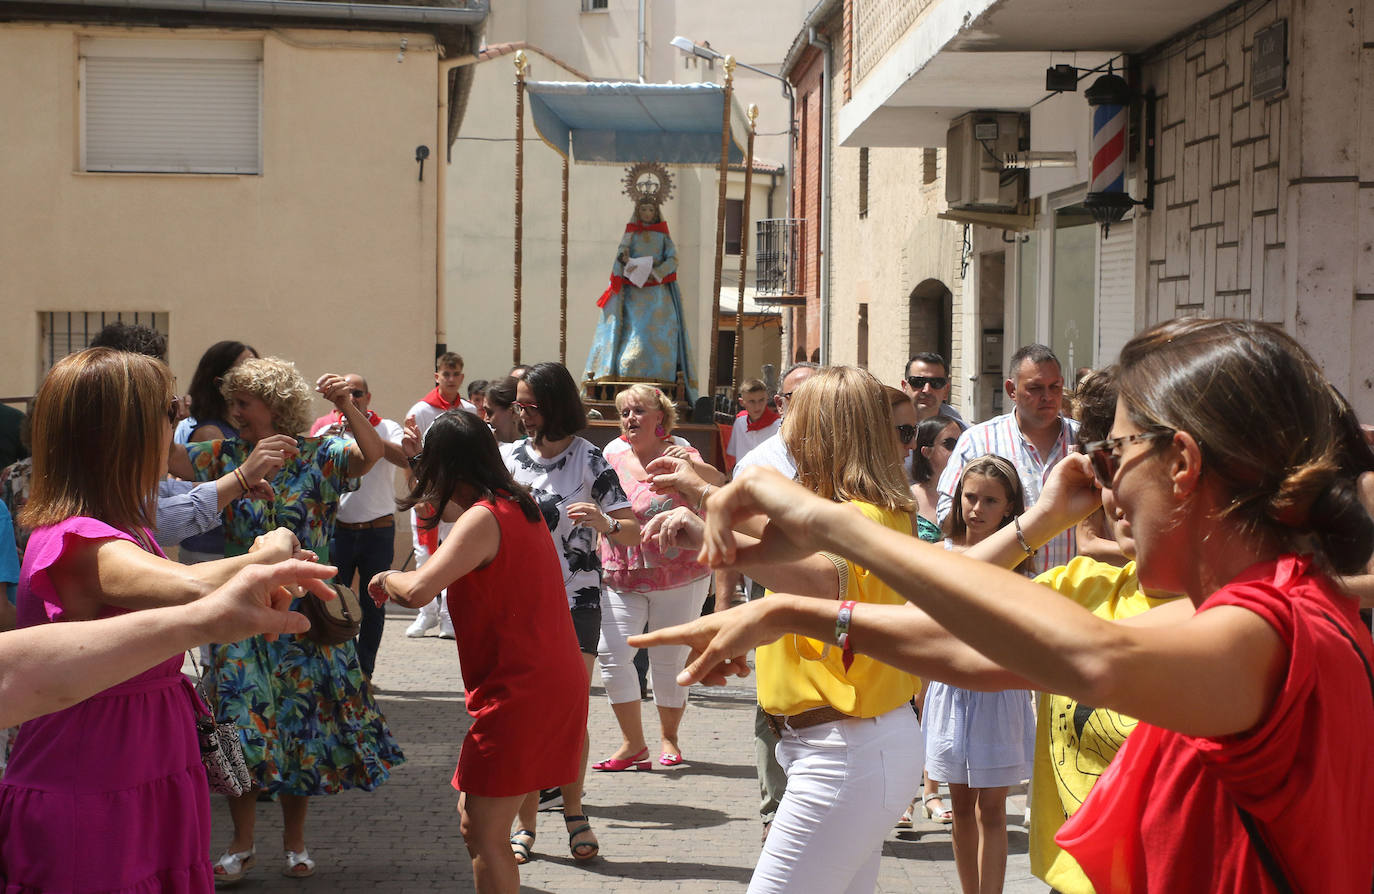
(850, 742)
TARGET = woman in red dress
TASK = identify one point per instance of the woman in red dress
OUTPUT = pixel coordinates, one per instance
(526, 683)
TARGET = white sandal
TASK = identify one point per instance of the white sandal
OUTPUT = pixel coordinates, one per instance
(298, 864)
(231, 868)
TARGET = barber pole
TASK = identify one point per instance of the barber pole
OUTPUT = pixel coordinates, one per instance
(1109, 98)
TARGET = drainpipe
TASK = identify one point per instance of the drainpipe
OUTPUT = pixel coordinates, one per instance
(641, 40)
(815, 40)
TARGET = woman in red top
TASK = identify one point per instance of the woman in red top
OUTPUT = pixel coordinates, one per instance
(1232, 468)
(526, 683)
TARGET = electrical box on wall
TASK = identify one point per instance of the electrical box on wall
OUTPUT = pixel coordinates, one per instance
(976, 145)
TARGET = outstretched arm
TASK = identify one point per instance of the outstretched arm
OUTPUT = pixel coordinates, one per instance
(51, 666)
(473, 542)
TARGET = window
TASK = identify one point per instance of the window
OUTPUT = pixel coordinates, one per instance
(930, 165)
(734, 225)
(63, 332)
(171, 106)
(863, 182)
(862, 337)
(595, 5)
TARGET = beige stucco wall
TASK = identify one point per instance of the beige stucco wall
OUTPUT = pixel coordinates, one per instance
(879, 259)
(327, 257)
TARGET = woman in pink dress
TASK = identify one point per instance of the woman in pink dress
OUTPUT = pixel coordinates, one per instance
(109, 794)
(525, 680)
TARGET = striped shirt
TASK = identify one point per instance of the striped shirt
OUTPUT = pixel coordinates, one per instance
(1002, 436)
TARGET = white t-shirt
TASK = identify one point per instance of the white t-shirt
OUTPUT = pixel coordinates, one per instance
(579, 474)
(742, 440)
(425, 414)
(619, 444)
(771, 453)
(376, 494)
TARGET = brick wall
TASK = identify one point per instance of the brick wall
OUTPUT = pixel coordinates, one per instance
(806, 196)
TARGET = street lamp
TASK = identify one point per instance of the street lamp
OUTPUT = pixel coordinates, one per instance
(701, 51)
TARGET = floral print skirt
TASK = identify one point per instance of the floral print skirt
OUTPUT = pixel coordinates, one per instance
(306, 715)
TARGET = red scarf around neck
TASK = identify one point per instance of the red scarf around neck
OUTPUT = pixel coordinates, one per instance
(769, 416)
(436, 400)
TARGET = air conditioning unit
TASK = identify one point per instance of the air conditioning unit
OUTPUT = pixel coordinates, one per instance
(975, 145)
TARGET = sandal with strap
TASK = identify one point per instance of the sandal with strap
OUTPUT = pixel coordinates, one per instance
(941, 814)
(582, 851)
(298, 864)
(905, 821)
(231, 868)
(520, 844)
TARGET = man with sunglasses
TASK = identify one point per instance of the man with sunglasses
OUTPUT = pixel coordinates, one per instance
(1034, 436)
(927, 384)
(364, 541)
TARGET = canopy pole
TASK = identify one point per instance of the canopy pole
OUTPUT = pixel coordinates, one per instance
(521, 68)
(563, 277)
(720, 228)
(738, 370)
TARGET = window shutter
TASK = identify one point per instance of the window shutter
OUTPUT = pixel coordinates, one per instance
(171, 106)
(1116, 292)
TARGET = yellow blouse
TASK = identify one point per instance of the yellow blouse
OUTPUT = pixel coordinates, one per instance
(794, 677)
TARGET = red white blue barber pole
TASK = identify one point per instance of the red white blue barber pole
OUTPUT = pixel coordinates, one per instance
(1109, 98)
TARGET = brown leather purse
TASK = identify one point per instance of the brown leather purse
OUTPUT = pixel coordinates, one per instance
(333, 621)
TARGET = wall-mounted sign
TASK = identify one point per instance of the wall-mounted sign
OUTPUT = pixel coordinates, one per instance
(1269, 70)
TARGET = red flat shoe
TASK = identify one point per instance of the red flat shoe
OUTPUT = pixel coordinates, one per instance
(669, 760)
(638, 761)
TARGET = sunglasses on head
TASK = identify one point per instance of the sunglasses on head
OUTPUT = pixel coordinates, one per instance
(907, 433)
(174, 411)
(1104, 456)
(919, 382)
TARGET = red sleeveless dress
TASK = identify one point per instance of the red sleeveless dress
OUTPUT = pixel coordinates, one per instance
(525, 680)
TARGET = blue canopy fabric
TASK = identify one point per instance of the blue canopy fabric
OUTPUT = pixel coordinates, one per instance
(624, 123)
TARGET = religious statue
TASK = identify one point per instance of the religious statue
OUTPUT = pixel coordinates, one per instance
(641, 335)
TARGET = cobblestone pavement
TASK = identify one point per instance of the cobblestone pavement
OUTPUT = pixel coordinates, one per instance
(692, 828)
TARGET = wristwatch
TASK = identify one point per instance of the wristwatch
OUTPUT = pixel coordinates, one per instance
(615, 526)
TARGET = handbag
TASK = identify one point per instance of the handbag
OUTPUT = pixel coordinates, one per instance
(335, 620)
(221, 751)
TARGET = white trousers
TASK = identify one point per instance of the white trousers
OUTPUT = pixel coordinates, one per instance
(847, 783)
(626, 614)
(438, 606)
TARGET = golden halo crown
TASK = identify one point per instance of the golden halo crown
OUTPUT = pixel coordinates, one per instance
(648, 181)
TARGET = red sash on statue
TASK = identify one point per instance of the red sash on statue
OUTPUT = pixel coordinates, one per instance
(618, 282)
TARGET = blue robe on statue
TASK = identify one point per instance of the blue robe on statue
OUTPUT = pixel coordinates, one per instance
(641, 334)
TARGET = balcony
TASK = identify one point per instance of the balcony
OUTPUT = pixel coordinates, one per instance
(778, 260)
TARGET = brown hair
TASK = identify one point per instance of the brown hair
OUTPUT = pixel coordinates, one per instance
(448, 360)
(989, 465)
(277, 383)
(845, 402)
(752, 386)
(99, 423)
(1272, 431)
(896, 396)
(650, 396)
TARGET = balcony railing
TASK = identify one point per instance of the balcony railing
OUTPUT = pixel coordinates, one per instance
(778, 259)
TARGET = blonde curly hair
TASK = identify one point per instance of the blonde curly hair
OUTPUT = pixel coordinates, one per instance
(650, 397)
(277, 383)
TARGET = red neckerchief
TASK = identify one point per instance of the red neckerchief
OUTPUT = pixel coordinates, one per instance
(618, 282)
(436, 400)
(337, 418)
(769, 416)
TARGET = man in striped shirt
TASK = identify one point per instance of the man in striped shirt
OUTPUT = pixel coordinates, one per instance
(1033, 436)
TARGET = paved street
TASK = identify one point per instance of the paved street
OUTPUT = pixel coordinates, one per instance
(692, 828)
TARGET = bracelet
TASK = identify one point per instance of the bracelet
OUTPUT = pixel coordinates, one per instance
(243, 482)
(706, 491)
(615, 526)
(842, 624)
(1021, 538)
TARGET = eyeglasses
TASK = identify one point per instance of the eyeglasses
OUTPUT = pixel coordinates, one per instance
(357, 394)
(919, 382)
(907, 433)
(415, 460)
(526, 408)
(1105, 458)
(174, 411)
(949, 444)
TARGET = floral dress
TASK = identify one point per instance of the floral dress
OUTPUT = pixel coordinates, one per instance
(306, 713)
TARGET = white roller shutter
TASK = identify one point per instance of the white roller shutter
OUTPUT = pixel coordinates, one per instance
(175, 106)
(1115, 292)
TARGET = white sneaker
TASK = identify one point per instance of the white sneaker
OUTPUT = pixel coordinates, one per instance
(421, 623)
(445, 630)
